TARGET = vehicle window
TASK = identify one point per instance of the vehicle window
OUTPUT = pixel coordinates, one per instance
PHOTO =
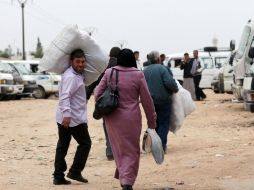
(22, 69)
(243, 42)
(220, 61)
(175, 62)
(207, 62)
(5, 67)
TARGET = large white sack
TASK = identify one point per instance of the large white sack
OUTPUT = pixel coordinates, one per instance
(156, 145)
(177, 113)
(57, 55)
(182, 105)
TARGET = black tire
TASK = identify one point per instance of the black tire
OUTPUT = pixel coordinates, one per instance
(39, 93)
(18, 97)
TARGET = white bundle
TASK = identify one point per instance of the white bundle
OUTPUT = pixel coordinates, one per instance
(182, 105)
(57, 55)
(152, 142)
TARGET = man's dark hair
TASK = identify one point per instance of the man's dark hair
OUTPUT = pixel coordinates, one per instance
(135, 52)
(114, 52)
(77, 53)
(186, 54)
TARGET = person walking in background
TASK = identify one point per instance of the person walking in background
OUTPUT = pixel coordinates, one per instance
(139, 66)
(188, 82)
(124, 124)
(162, 57)
(112, 62)
(71, 118)
(161, 86)
(196, 71)
(147, 62)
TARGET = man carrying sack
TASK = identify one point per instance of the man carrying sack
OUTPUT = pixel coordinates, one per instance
(71, 118)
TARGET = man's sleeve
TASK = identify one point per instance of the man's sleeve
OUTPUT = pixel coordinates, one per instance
(68, 87)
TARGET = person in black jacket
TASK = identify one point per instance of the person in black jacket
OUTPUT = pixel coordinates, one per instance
(188, 82)
(89, 91)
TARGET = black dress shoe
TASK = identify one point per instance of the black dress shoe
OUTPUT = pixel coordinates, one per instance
(126, 187)
(79, 177)
(61, 181)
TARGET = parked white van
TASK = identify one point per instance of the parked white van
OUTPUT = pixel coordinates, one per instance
(212, 61)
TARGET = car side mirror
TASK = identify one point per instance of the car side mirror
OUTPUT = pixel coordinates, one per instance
(232, 45)
(251, 53)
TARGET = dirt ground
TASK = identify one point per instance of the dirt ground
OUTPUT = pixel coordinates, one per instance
(214, 150)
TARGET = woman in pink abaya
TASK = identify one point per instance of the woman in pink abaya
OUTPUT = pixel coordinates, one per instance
(125, 123)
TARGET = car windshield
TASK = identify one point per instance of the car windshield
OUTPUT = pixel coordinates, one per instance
(208, 62)
(22, 69)
(220, 61)
(243, 42)
(6, 68)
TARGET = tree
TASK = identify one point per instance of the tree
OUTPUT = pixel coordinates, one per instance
(5, 53)
(39, 50)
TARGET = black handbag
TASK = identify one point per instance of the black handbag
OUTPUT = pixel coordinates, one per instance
(109, 100)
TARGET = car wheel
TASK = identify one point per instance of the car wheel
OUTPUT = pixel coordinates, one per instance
(39, 93)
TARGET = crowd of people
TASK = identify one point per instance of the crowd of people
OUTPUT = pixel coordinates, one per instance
(151, 86)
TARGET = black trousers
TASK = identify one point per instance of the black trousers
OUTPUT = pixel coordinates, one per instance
(81, 135)
(108, 146)
(198, 91)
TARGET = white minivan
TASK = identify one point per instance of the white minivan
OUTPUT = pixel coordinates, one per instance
(212, 61)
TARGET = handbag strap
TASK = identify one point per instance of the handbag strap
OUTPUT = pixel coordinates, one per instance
(116, 76)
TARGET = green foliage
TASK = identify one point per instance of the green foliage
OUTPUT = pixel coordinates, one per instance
(39, 50)
(4, 54)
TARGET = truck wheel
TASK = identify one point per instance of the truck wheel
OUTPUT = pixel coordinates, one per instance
(39, 93)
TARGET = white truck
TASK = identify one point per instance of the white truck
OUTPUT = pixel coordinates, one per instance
(243, 68)
(47, 82)
(223, 79)
(212, 61)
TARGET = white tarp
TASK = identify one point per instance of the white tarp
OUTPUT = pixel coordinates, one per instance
(182, 105)
(56, 56)
(152, 142)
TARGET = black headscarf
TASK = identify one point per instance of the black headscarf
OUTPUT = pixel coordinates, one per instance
(126, 58)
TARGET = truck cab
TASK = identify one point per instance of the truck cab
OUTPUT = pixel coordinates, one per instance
(243, 68)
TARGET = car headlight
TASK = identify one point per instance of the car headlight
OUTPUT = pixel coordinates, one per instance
(3, 81)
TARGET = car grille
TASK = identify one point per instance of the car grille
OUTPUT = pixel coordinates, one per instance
(11, 82)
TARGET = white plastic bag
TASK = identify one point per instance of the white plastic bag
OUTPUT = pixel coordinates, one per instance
(152, 142)
(182, 105)
(57, 55)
